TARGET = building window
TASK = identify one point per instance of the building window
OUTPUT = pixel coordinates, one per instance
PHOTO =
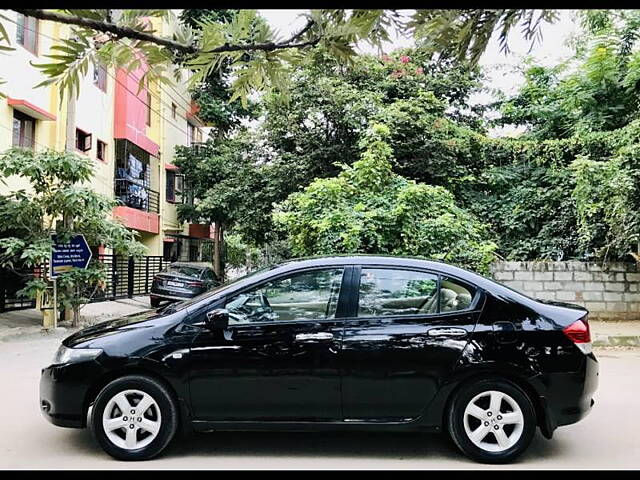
(149, 109)
(100, 77)
(175, 189)
(193, 134)
(174, 110)
(83, 140)
(27, 33)
(101, 151)
(24, 130)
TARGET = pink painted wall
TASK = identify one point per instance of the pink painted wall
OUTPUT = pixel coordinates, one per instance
(137, 219)
(130, 116)
(199, 230)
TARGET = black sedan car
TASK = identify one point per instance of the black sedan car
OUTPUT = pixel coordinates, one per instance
(182, 280)
(345, 342)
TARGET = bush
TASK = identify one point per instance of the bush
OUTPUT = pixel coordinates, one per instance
(369, 209)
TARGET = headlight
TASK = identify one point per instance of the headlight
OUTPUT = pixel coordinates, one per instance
(70, 355)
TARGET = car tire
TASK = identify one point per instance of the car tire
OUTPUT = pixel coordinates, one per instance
(134, 418)
(155, 302)
(491, 420)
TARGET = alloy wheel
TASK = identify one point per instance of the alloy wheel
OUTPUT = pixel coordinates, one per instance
(493, 421)
(131, 419)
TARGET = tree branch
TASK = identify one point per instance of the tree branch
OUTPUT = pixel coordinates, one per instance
(101, 26)
(306, 28)
(127, 32)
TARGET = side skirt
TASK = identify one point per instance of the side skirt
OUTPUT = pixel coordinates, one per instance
(206, 426)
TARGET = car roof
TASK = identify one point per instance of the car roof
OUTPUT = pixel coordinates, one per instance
(381, 260)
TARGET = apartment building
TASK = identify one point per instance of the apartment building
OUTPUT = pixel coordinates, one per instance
(129, 135)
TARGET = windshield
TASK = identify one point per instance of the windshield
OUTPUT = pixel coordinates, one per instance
(193, 272)
(176, 306)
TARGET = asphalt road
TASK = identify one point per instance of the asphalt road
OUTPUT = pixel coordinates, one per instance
(607, 438)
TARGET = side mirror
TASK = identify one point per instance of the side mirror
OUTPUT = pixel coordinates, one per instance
(218, 319)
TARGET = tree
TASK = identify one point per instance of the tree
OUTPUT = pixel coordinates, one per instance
(233, 187)
(28, 219)
(463, 34)
(213, 94)
(331, 105)
(369, 209)
(237, 179)
(598, 89)
(124, 38)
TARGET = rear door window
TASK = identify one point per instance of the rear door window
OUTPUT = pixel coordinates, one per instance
(455, 296)
(387, 292)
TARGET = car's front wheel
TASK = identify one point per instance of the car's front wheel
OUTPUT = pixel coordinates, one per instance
(134, 418)
(492, 421)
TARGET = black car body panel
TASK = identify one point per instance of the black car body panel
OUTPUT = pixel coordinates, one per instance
(369, 373)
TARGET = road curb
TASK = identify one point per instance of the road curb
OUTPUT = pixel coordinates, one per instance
(616, 341)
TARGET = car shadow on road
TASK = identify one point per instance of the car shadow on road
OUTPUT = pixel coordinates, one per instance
(358, 445)
(378, 445)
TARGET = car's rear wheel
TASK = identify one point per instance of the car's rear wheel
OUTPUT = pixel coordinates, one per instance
(155, 302)
(134, 418)
(492, 421)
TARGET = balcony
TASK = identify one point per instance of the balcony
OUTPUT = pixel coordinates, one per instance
(134, 195)
(139, 206)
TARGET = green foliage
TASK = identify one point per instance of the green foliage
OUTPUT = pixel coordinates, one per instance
(239, 253)
(369, 209)
(530, 209)
(597, 90)
(72, 57)
(56, 203)
(464, 34)
(331, 105)
(209, 42)
(607, 195)
(213, 94)
(232, 185)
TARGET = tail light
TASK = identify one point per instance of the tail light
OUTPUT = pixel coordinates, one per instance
(580, 334)
(194, 284)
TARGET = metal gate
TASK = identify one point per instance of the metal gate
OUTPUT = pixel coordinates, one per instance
(10, 282)
(126, 277)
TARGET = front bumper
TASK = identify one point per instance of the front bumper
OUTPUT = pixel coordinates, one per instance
(63, 392)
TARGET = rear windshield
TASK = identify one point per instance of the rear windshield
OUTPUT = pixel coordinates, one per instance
(186, 270)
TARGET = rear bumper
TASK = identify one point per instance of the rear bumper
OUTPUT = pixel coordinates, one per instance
(569, 396)
(173, 295)
(163, 296)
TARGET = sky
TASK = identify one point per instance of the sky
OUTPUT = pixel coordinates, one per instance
(499, 68)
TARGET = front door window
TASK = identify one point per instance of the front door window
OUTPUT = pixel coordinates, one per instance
(309, 295)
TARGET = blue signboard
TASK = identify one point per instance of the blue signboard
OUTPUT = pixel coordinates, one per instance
(65, 256)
